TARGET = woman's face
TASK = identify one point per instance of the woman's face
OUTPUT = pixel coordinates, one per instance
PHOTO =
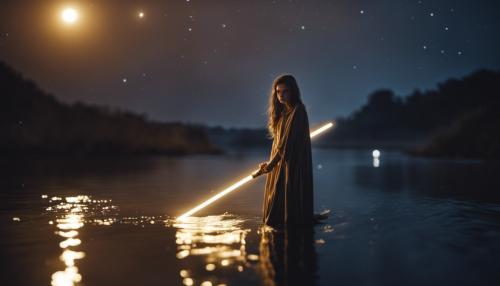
(283, 93)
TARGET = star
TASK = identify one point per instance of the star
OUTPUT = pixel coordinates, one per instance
(361, 12)
(431, 14)
(302, 27)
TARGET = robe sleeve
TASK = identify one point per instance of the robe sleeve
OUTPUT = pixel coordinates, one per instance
(275, 159)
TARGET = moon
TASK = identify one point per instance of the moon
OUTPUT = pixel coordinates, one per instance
(69, 15)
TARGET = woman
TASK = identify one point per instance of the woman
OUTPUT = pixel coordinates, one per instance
(288, 198)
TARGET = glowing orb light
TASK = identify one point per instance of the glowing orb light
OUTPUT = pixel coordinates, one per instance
(69, 15)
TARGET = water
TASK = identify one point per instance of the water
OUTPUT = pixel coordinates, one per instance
(400, 220)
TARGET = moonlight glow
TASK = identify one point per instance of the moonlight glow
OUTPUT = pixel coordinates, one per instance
(69, 15)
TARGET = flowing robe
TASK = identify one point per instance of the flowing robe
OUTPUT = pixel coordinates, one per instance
(288, 196)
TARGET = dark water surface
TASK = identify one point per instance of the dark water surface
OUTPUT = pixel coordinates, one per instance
(399, 221)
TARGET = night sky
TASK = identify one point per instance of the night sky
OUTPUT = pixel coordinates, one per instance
(213, 62)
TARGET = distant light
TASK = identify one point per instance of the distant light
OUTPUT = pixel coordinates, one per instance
(141, 14)
(69, 15)
(361, 12)
(376, 153)
(124, 80)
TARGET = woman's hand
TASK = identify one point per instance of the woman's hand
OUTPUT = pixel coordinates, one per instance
(262, 170)
(263, 167)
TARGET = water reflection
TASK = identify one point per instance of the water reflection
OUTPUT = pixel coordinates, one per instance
(287, 257)
(419, 213)
(211, 246)
(71, 214)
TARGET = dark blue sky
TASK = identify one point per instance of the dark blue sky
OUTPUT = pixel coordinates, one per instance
(213, 62)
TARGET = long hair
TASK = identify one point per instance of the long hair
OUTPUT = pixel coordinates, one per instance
(275, 107)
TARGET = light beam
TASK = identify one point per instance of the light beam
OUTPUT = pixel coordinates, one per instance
(242, 181)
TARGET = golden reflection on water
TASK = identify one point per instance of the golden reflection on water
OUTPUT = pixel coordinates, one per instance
(211, 250)
(71, 214)
(213, 245)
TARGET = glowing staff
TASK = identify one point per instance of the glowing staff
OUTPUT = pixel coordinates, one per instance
(243, 181)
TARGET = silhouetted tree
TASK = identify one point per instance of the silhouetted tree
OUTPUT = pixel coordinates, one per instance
(419, 116)
(34, 122)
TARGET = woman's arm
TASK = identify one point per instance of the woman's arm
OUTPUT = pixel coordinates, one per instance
(273, 162)
(294, 136)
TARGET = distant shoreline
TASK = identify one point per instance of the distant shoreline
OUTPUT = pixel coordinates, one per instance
(35, 123)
